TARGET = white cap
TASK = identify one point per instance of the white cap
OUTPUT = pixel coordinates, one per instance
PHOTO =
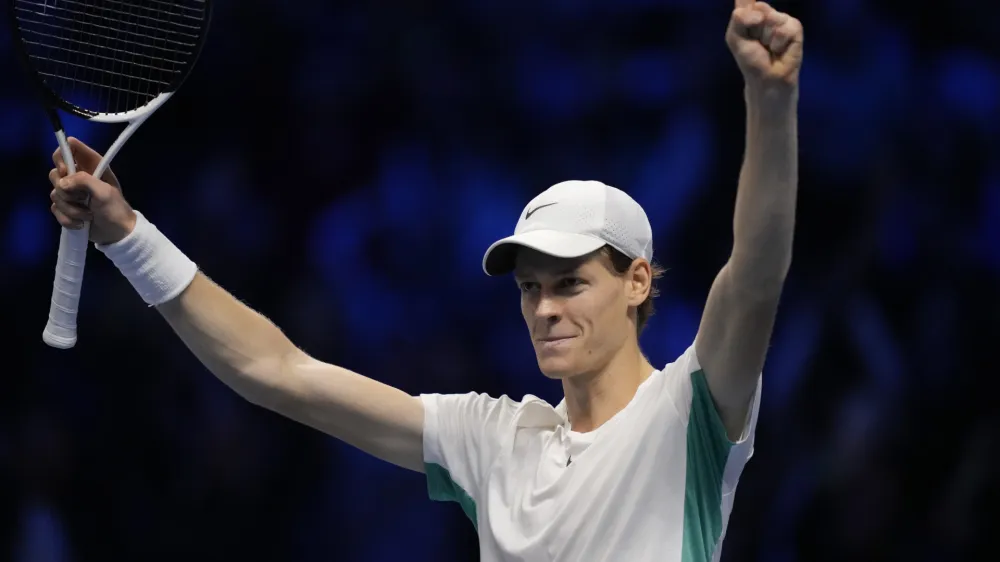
(572, 219)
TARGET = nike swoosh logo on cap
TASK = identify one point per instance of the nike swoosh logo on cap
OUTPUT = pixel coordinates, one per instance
(529, 212)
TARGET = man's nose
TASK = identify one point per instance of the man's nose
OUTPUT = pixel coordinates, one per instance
(548, 307)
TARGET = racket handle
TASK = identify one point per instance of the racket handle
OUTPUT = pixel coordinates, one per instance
(60, 331)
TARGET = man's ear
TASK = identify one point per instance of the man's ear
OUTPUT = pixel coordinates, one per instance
(638, 282)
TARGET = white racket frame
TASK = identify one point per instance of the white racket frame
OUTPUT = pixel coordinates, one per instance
(60, 331)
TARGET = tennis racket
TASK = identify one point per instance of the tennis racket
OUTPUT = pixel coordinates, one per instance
(108, 61)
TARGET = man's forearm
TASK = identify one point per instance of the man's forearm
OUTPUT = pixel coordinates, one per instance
(241, 347)
(764, 220)
(248, 353)
(237, 344)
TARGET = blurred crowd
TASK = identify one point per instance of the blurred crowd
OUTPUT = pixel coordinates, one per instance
(341, 167)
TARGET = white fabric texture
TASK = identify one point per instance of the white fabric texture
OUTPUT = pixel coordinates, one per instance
(654, 483)
(155, 267)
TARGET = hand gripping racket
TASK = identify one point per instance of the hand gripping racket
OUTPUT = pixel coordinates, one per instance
(108, 61)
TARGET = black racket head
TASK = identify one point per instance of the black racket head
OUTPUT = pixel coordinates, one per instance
(108, 57)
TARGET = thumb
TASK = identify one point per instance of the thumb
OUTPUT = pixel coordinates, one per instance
(743, 23)
(86, 158)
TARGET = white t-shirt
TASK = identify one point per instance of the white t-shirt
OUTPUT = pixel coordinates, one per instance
(654, 483)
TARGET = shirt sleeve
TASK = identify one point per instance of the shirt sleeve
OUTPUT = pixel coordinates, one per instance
(462, 436)
(709, 447)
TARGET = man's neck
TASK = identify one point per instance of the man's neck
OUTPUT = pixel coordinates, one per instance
(595, 398)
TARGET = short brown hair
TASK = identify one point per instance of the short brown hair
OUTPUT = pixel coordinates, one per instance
(620, 264)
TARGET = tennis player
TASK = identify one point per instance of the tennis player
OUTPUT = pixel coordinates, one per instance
(636, 463)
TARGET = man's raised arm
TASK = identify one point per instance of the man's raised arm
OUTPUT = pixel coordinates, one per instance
(739, 316)
(253, 357)
(241, 347)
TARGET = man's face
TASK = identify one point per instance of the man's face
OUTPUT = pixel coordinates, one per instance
(576, 311)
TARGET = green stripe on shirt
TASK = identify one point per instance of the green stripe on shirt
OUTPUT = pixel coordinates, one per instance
(443, 488)
(708, 447)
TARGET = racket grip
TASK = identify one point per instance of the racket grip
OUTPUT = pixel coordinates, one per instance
(60, 332)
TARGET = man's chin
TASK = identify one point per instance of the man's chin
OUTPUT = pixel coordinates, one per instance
(556, 368)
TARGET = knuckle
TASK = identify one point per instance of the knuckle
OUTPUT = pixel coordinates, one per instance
(70, 216)
(78, 210)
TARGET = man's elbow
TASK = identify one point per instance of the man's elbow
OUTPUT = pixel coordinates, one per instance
(269, 381)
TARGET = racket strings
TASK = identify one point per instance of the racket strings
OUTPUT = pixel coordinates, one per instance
(110, 56)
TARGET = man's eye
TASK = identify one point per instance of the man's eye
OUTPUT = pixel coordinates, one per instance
(570, 282)
(528, 286)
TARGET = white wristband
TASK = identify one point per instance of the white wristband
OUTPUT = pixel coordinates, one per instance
(157, 269)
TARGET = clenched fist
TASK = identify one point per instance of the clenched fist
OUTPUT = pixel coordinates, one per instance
(767, 45)
(81, 198)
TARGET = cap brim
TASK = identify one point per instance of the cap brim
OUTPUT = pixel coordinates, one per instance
(499, 258)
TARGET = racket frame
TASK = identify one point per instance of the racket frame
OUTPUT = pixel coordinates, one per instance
(61, 329)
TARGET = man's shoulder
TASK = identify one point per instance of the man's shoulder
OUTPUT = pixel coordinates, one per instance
(474, 406)
(682, 367)
(471, 397)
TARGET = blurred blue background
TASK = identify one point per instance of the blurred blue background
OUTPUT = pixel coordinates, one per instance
(341, 167)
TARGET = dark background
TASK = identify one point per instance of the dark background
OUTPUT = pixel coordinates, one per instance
(341, 167)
